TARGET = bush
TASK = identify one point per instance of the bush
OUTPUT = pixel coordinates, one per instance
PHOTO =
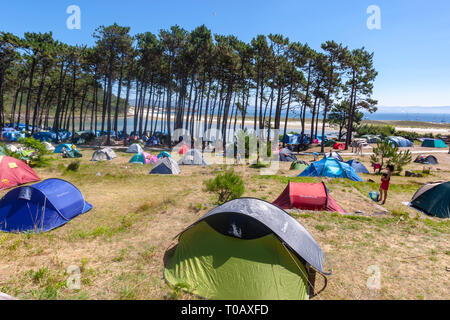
(387, 153)
(227, 186)
(408, 135)
(34, 144)
(74, 166)
(35, 159)
(383, 131)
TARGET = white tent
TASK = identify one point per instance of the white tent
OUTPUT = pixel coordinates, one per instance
(165, 165)
(104, 154)
(134, 148)
(193, 157)
(48, 146)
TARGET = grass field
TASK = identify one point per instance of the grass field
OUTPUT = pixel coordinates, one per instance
(119, 245)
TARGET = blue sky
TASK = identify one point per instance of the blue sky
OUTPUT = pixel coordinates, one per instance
(412, 49)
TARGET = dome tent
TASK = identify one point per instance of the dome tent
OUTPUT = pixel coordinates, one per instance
(68, 146)
(53, 202)
(272, 253)
(183, 149)
(193, 157)
(141, 158)
(433, 143)
(164, 154)
(433, 199)
(330, 167)
(357, 166)
(307, 196)
(333, 155)
(400, 142)
(371, 138)
(165, 165)
(14, 172)
(48, 146)
(134, 148)
(299, 165)
(426, 159)
(286, 155)
(339, 146)
(105, 154)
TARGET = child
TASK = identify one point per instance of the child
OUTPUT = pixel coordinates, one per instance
(385, 180)
(64, 152)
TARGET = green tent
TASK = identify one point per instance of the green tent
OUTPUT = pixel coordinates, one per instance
(329, 143)
(433, 199)
(2, 151)
(434, 143)
(236, 252)
(299, 165)
(74, 153)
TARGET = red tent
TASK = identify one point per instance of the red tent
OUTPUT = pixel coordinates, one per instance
(14, 172)
(184, 148)
(307, 196)
(339, 146)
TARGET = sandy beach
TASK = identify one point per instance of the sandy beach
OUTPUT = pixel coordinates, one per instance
(296, 125)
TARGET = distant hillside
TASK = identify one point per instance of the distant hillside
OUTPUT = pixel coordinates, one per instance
(413, 109)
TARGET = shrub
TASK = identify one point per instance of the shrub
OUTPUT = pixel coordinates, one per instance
(387, 153)
(408, 135)
(383, 131)
(400, 159)
(74, 166)
(227, 186)
(34, 144)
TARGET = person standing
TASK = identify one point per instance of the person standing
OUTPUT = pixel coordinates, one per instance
(385, 181)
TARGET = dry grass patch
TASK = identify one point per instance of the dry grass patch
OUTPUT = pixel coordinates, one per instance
(119, 245)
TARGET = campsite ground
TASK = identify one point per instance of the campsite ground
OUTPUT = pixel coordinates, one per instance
(119, 245)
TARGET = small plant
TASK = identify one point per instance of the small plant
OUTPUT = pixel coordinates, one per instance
(386, 153)
(73, 166)
(34, 144)
(258, 165)
(227, 186)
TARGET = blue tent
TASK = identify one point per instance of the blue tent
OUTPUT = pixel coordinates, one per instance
(292, 138)
(68, 146)
(358, 166)
(152, 141)
(400, 142)
(12, 136)
(164, 154)
(330, 167)
(45, 136)
(41, 207)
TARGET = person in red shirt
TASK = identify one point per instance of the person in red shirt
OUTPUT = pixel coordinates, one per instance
(385, 181)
